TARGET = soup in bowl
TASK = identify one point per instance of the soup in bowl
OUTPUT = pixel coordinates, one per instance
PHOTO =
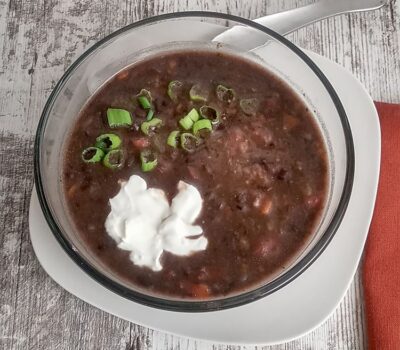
(191, 174)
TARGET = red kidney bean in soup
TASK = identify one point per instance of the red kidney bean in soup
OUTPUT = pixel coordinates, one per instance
(195, 174)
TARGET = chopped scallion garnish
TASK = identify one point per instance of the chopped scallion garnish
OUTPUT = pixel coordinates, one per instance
(172, 139)
(189, 119)
(200, 125)
(198, 93)
(210, 113)
(92, 155)
(174, 88)
(114, 159)
(150, 115)
(144, 102)
(117, 117)
(144, 98)
(150, 126)
(148, 160)
(108, 142)
(225, 94)
(186, 123)
(249, 105)
(194, 115)
(189, 142)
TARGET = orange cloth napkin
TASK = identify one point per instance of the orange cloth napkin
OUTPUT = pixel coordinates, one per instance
(381, 271)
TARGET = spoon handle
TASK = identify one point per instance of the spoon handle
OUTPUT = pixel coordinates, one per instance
(288, 21)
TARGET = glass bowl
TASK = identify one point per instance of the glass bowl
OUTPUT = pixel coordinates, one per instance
(175, 32)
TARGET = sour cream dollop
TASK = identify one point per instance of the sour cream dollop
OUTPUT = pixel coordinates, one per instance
(142, 222)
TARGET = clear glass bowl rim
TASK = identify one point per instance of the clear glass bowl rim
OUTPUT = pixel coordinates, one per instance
(201, 305)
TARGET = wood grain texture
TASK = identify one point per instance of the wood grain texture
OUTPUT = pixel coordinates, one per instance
(38, 40)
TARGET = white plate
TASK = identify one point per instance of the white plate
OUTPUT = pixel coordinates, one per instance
(286, 314)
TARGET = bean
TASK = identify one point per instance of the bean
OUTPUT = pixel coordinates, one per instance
(264, 247)
(141, 142)
(194, 172)
(289, 122)
(244, 244)
(313, 201)
(266, 206)
(72, 190)
(123, 75)
(201, 291)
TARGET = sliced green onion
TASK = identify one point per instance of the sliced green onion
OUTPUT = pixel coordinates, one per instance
(172, 139)
(114, 159)
(189, 119)
(148, 160)
(148, 127)
(210, 113)
(193, 114)
(144, 98)
(145, 93)
(144, 102)
(150, 115)
(117, 117)
(198, 93)
(174, 88)
(186, 123)
(249, 105)
(92, 155)
(225, 94)
(108, 142)
(202, 124)
(189, 142)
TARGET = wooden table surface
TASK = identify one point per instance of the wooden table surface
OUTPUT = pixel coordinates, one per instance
(38, 40)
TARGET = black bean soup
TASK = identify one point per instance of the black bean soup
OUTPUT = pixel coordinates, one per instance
(227, 126)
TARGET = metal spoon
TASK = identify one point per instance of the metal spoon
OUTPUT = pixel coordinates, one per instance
(288, 21)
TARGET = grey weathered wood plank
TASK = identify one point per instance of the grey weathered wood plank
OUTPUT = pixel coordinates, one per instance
(38, 41)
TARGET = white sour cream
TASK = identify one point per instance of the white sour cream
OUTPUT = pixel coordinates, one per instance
(142, 222)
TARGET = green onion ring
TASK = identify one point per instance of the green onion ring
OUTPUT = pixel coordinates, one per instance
(172, 139)
(189, 142)
(186, 123)
(210, 113)
(108, 142)
(92, 155)
(144, 102)
(114, 159)
(150, 115)
(202, 124)
(189, 119)
(117, 117)
(249, 106)
(198, 94)
(148, 160)
(144, 98)
(148, 127)
(225, 94)
(174, 88)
